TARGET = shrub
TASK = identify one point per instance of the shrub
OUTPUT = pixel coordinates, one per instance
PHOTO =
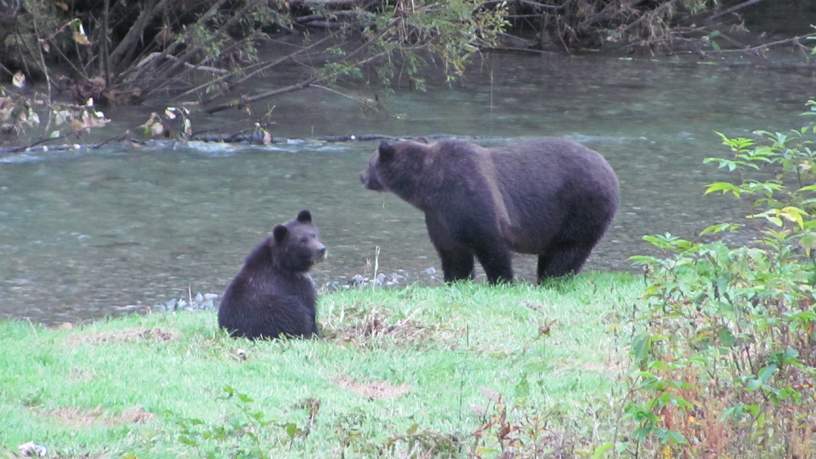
(726, 360)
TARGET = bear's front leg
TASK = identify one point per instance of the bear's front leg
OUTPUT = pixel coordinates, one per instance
(457, 259)
(457, 265)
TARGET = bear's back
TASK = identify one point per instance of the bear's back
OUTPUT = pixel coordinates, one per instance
(549, 166)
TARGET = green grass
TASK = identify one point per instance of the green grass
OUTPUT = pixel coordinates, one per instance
(399, 372)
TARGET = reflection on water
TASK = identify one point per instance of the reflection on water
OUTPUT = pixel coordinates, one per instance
(89, 234)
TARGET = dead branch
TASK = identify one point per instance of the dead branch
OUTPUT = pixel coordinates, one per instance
(333, 4)
(204, 68)
(193, 50)
(243, 101)
(733, 9)
(261, 66)
(170, 50)
(363, 101)
(762, 46)
(149, 11)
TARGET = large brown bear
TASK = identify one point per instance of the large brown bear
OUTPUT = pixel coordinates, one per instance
(550, 197)
(273, 294)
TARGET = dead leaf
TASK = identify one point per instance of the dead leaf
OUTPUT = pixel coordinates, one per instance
(81, 39)
(18, 79)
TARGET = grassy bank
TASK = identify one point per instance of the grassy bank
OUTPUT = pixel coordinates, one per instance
(443, 371)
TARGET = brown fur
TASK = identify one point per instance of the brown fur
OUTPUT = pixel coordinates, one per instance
(273, 294)
(550, 197)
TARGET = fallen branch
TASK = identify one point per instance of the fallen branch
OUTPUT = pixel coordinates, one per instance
(243, 101)
(364, 101)
(136, 31)
(270, 64)
(22, 148)
(763, 46)
(733, 9)
(156, 55)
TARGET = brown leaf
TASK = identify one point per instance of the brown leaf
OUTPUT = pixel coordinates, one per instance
(18, 79)
(81, 39)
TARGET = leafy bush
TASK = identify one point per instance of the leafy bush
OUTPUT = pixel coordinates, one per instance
(727, 358)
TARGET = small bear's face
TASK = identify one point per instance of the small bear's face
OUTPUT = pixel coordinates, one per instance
(391, 164)
(297, 245)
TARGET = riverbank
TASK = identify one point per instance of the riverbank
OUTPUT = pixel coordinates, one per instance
(433, 370)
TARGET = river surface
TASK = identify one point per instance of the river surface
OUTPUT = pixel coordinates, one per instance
(89, 234)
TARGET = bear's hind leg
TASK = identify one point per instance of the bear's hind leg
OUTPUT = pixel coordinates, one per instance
(496, 262)
(564, 259)
(457, 264)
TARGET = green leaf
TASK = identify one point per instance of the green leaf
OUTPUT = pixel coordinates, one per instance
(808, 242)
(726, 338)
(643, 260)
(766, 373)
(724, 187)
(522, 389)
(720, 228)
(292, 430)
(601, 450)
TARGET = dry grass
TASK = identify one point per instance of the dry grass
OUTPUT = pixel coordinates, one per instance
(76, 417)
(376, 327)
(130, 335)
(373, 390)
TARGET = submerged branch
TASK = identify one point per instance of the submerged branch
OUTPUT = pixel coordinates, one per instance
(762, 46)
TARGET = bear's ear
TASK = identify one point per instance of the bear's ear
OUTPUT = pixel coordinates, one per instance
(280, 233)
(304, 216)
(386, 150)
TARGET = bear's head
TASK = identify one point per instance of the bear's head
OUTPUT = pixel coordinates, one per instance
(398, 167)
(296, 245)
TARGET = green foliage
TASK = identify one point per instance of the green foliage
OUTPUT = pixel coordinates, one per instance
(726, 361)
(246, 433)
(403, 42)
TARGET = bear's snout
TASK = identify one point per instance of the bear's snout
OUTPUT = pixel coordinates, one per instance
(321, 252)
(370, 181)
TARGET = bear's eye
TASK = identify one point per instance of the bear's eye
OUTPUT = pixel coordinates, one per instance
(304, 239)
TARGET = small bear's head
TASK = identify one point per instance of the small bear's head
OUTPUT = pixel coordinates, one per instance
(296, 244)
(397, 167)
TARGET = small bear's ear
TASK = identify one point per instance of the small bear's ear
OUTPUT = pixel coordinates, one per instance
(280, 233)
(304, 216)
(386, 150)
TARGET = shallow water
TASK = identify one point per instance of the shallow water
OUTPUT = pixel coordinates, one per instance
(87, 234)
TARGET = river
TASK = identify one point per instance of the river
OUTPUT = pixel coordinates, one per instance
(92, 233)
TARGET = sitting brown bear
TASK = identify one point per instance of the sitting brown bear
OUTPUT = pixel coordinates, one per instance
(550, 197)
(273, 295)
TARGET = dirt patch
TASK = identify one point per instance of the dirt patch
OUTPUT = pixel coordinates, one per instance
(135, 415)
(374, 390)
(129, 335)
(76, 417)
(375, 326)
(611, 366)
(81, 375)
